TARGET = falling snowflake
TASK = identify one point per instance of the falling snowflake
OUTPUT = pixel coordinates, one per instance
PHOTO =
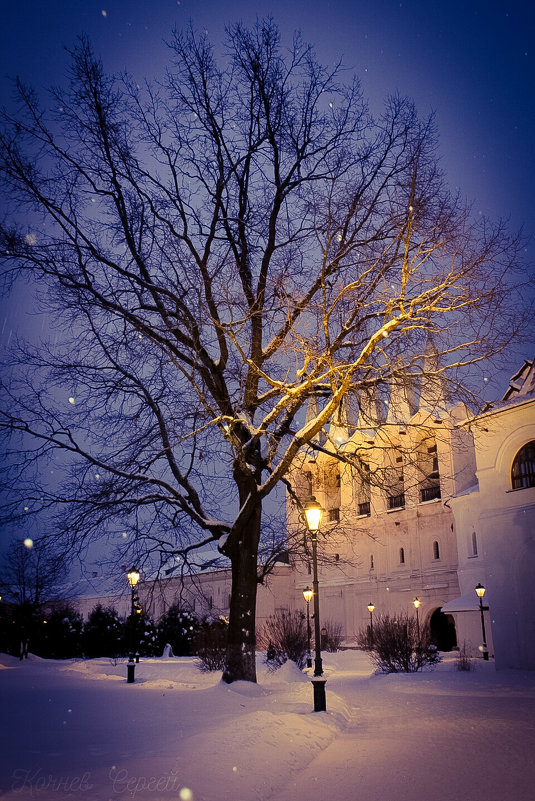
(104, 13)
(72, 401)
(28, 542)
(31, 239)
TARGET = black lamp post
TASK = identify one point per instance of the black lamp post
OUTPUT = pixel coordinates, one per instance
(480, 592)
(417, 603)
(313, 513)
(371, 607)
(307, 595)
(133, 577)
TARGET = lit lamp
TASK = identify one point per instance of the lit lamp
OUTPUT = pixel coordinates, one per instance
(313, 513)
(307, 595)
(417, 603)
(371, 607)
(480, 592)
(133, 577)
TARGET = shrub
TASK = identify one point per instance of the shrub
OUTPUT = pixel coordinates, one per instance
(464, 660)
(177, 627)
(104, 633)
(396, 647)
(284, 637)
(210, 644)
(61, 636)
(145, 635)
(331, 636)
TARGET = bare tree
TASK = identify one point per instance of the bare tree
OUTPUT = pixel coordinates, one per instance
(30, 576)
(216, 250)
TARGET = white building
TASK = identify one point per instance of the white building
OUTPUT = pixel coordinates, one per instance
(495, 527)
(388, 531)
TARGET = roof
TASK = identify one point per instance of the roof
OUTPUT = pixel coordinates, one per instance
(469, 602)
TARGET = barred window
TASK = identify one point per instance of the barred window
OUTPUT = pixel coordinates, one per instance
(523, 470)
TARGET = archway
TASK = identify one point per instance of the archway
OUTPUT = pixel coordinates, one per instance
(442, 628)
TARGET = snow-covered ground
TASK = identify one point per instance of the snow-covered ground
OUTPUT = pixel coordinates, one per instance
(77, 730)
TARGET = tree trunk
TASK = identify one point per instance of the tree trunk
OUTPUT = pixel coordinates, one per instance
(240, 664)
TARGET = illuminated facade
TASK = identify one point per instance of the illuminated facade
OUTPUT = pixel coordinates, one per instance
(388, 530)
(495, 525)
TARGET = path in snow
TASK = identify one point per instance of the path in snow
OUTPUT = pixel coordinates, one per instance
(438, 737)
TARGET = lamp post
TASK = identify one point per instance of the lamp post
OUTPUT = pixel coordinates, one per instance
(133, 577)
(371, 607)
(313, 513)
(417, 603)
(480, 592)
(307, 595)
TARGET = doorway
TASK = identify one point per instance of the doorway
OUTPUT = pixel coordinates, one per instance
(443, 633)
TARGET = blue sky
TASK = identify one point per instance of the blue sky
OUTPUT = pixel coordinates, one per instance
(470, 62)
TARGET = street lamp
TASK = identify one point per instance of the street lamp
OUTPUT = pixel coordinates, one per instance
(133, 577)
(417, 603)
(307, 595)
(480, 592)
(371, 607)
(313, 513)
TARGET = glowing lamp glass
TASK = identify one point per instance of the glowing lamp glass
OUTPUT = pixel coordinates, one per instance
(371, 607)
(416, 603)
(307, 594)
(133, 577)
(480, 590)
(313, 512)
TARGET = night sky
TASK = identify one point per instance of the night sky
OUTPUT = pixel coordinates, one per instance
(471, 62)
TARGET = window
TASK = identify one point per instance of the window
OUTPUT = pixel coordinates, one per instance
(436, 550)
(372, 564)
(428, 468)
(429, 493)
(402, 556)
(334, 515)
(362, 489)
(394, 480)
(396, 501)
(474, 543)
(433, 450)
(523, 470)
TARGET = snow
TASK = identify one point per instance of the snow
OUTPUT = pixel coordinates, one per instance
(76, 730)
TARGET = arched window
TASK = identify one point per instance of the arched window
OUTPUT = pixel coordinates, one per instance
(523, 470)
(402, 556)
(436, 550)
